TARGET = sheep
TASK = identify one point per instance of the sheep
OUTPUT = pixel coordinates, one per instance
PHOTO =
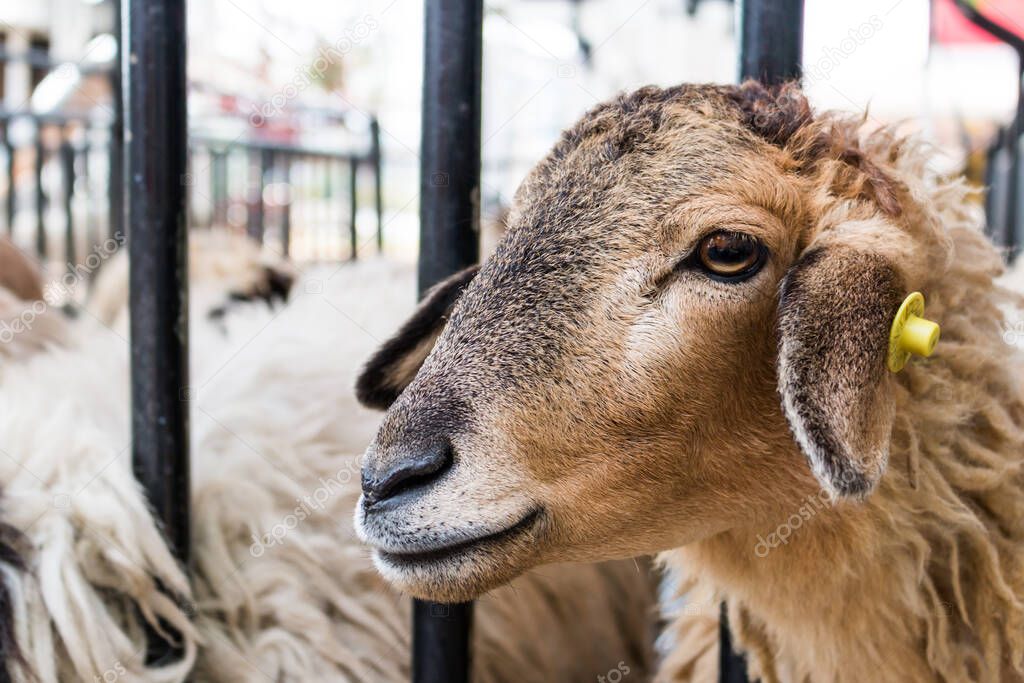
(18, 275)
(681, 347)
(27, 322)
(269, 402)
(1013, 280)
(224, 267)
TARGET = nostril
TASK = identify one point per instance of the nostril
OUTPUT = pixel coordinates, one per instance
(408, 474)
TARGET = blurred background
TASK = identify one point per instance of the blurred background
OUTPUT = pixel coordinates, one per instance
(304, 116)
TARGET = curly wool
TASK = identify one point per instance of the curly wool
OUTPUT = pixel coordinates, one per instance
(273, 415)
(925, 579)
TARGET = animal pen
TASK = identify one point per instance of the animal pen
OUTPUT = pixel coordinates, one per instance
(156, 140)
(75, 159)
(154, 195)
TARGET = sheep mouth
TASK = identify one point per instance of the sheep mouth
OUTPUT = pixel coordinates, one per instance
(485, 543)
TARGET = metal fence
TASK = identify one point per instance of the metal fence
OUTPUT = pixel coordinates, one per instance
(770, 47)
(61, 184)
(56, 188)
(453, 45)
(302, 202)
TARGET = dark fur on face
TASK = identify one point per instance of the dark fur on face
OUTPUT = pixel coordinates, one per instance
(394, 365)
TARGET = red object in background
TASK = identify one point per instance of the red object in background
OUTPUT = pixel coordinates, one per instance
(280, 131)
(950, 26)
(228, 103)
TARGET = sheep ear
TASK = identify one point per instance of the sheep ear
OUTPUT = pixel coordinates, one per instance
(390, 370)
(835, 311)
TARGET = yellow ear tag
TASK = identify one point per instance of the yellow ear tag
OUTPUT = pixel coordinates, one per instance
(911, 333)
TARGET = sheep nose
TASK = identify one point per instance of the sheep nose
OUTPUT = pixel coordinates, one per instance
(414, 473)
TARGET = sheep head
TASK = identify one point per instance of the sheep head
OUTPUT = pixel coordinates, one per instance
(684, 330)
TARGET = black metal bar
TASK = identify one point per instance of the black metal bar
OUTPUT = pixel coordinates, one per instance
(771, 39)
(378, 190)
(302, 208)
(440, 642)
(89, 229)
(157, 136)
(329, 209)
(257, 208)
(997, 30)
(67, 167)
(353, 238)
(449, 242)
(771, 50)
(189, 180)
(115, 179)
(732, 667)
(1014, 219)
(12, 188)
(1007, 232)
(316, 209)
(1003, 215)
(286, 210)
(40, 196)
(450, 158)
(270, 175)
(219, 187)
(323, 235)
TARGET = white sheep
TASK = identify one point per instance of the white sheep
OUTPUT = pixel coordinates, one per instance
(27, 322)
(224, 267)
(273, 595)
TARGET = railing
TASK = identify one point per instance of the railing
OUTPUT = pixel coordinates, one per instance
(61, 185)
(55, 183)
(156, 137)
(302, 202)
(449, 242)
(61, 171)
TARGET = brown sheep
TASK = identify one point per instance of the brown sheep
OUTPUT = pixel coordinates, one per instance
(680, 346)
(18, 274)
(28, 324)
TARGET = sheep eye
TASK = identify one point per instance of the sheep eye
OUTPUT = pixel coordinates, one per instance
(730, 255)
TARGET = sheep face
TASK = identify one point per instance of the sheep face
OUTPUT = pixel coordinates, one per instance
(609, 383)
